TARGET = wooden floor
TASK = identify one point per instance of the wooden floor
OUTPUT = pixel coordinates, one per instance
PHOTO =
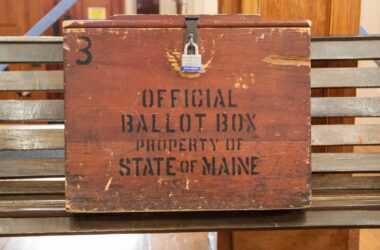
(186, 241)
(369, 240)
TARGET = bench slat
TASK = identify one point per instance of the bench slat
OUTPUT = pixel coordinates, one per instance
(32, 167)
(31, 53)
(53, 110)
(325, 135)
(57, 185)
(31, 80)
(320, 163)
(22, 49)
(25, 137)
(345, 77)
(47, 49)
(320, 78)
(32, 186)
(345, 162)
(330, 182)
(42, 110)
(348, 203)
(31, 39)
(338, 48)
(53, 205)
(28, 137)
(345, 106)
(189, 222)
(34, 209)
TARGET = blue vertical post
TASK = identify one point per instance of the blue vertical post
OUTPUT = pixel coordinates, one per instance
(48, 20)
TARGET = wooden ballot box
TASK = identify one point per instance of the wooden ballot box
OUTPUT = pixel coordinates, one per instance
(177, 113)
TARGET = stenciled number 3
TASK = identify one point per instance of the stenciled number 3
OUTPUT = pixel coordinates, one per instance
(85, 51)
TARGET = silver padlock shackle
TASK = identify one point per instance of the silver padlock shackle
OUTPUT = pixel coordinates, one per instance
(191, 42)
(191, 39)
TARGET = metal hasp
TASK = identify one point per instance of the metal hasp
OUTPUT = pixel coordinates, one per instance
(191, 28)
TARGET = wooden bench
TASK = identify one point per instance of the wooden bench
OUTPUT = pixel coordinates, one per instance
(32, 154)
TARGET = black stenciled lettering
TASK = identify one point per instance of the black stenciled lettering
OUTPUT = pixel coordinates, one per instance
(144, 98)
(193, 98)
(217, 122)
(129, 123)
(125, 169)
(154, 129)
(233, 160)
(200, 117)
(243, 166)
(224, 122)
(185, 122)
(253, 164)
(203, 142)
(208, 98)
(173, 94)
(237, 122)
(159, 97)
(223, 169)
(137, 164)
(148, 169)
(122, 123)
(214, 142)
(221, 122)
(172, 144)
(219, 100)
(208, 167)
(85, 51)
(161, 145)
(169, 166)
(168, 129)
(229, 166)
(192, 144)
(181, 144)
(251, 125)
(186, 98)
(141, 125)
(158, 163)
(230, 144)
(230, 102)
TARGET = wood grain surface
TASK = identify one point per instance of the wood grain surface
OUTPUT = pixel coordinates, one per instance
(134, 136)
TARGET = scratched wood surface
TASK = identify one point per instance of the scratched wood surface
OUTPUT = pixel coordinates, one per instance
(257, 71)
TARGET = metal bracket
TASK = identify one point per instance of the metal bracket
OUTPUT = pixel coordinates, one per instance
(191, 28)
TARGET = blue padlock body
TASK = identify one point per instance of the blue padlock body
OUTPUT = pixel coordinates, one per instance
(191, 69)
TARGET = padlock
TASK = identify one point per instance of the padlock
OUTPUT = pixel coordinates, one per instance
(191, 62)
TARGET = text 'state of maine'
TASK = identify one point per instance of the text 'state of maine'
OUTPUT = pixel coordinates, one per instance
(187, 123)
